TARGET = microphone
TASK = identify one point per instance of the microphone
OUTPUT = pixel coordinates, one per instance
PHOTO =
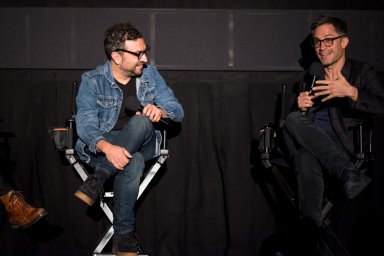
(317, 71)
(132, 105)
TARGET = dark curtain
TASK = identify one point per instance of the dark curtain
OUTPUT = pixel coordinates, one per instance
(210, 198)
(201, 4)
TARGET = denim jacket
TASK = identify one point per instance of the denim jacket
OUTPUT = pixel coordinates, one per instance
(99, 101)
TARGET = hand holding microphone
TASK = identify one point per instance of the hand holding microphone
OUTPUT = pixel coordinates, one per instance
(154, 113)
(305, 100)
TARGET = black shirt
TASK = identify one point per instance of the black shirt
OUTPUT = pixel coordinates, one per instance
(128, 89)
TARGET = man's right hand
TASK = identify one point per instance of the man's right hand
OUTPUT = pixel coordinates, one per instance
(305, 101)
(116, 155)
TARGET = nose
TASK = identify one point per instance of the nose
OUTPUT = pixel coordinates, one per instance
(144, 58)
(322, 45)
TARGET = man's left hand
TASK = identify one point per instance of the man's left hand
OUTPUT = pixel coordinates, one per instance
(153, 113)
(338, 88)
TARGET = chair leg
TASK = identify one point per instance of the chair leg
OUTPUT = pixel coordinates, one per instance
(143, 185)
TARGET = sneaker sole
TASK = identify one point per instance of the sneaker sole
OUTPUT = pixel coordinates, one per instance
(83, 197)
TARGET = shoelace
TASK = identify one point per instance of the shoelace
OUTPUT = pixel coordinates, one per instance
(18, 201)
(137, 241)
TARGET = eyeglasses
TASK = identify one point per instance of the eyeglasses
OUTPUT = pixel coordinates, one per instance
(139, 54)
(327, 41)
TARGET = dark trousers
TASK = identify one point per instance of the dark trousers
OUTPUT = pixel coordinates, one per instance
(4, 186)
(312, 151)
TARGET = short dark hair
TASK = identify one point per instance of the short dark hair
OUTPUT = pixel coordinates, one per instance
(116, 35)
(340, 25)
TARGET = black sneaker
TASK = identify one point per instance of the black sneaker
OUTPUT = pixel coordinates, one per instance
(126, 243)
(92, 188)
(355, 182)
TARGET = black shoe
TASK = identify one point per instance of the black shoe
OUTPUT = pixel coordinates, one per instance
(355, 182)
(126, 243)
(92, 188)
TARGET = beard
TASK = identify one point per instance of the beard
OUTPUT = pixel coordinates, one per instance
(137, 70)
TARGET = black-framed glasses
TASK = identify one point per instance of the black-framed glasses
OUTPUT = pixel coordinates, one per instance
(327, 41)
(139, 54)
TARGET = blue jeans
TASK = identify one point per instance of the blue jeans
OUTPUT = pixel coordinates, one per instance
(137, 137)
(313, 150)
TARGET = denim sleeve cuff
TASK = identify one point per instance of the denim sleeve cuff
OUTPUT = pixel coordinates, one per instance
(92, 146)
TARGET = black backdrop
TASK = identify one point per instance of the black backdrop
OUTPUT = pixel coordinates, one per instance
(203, 4)
(211, 197)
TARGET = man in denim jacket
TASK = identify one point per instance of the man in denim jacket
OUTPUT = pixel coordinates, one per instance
(111, 141)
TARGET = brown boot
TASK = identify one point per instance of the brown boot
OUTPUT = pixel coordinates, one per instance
(21, 214)
(127, 242)
(126, 253)
(117, 253)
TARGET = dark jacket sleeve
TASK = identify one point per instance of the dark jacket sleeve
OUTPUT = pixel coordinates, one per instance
(346, 114)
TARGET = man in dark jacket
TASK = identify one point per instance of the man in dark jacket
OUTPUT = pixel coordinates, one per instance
(319, 132)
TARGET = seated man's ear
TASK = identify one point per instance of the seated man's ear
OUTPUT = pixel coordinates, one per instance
(116, 57)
